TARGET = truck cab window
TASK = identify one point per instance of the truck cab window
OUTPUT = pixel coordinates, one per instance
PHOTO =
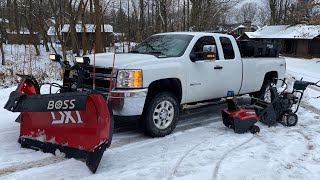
(198, 47)
(227, 48)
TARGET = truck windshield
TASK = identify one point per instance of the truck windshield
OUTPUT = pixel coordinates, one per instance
(164, 45)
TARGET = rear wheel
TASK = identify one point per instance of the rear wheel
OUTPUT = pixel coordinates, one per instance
(161, 115)
(265, 92)
(290, 119)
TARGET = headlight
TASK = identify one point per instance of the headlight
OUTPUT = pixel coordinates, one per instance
(129, 79)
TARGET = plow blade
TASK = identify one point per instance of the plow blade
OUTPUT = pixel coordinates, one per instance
(78, 124)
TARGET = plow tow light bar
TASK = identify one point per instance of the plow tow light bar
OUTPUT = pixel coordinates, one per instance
(83, 60)
(55, 57)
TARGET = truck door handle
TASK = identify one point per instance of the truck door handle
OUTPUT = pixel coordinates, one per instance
(218, 67)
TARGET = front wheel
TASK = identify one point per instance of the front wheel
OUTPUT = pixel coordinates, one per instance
(254, 129)
(161, 115)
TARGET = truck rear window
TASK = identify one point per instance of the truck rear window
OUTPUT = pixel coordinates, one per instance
(173, 45)
(227, 48)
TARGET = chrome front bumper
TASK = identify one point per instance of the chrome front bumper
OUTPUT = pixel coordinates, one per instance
(128, 102)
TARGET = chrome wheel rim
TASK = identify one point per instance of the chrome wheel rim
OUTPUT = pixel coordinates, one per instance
(163, 115)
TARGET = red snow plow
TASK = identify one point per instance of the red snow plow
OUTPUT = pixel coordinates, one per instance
(76, 123)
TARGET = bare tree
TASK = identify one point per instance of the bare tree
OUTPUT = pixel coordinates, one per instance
(98, 15)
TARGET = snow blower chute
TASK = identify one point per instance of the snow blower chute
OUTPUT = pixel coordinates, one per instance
(75, 122)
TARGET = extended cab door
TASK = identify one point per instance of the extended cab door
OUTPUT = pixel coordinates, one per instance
(230, 74)
(202, 79)
(210, 79)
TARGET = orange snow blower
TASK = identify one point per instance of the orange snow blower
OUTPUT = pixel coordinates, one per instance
(76, 123)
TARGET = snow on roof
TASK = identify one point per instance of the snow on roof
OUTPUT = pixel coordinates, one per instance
(51, 31)
(4, 20)
(90, 28)
(22, 32)
(286, 32)
(240, 26)
(52, 20)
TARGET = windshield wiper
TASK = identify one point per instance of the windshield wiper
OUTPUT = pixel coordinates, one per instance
(155, 52)
(134, 51)
(159, 54)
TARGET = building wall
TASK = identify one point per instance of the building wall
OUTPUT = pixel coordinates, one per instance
(91, 37)
(314, 47)
(23, 39)
(302, 48)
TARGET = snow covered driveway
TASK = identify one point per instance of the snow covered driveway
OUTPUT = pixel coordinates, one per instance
(209, 151)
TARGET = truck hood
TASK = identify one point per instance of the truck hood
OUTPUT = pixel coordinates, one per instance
(122, 60)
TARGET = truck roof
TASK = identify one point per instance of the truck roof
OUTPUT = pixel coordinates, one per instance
(194, 33)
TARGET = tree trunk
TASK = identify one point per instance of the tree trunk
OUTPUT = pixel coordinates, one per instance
(2, 54)
(98, 15)
(84, 33)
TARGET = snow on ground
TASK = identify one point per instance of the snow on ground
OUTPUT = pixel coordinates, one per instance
(21, 59)
(206, 152)
(309, 70)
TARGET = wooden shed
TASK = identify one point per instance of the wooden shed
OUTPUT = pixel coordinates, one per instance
(299, 40)
(106, 29)
(24, 37)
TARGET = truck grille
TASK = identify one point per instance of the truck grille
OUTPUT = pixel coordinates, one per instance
(103, 78)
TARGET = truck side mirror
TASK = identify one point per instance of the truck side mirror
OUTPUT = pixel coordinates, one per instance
(210, 49)
(55, 57)
(193, 57)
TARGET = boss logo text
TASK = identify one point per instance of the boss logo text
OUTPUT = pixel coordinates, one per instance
(66, 104)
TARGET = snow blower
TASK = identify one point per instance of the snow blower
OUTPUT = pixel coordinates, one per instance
(76, 123)
(279, 110)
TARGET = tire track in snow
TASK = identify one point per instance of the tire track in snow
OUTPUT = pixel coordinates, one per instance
(139, 136)
(187, 153)
(216, 169)
(29, 165)
(280, 167)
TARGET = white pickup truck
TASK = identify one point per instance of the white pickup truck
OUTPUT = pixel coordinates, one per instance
(172, 69)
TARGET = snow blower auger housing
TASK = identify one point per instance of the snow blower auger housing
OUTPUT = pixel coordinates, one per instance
(76, 123)
(280, 110)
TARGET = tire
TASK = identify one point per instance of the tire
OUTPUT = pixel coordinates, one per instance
(262, 94)
(290, 119)
(254, 129)
(161, 115)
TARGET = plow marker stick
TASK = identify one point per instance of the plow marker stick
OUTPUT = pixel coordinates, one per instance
(94, 66)
(112, 71)
(24, 60)
(30, 54)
